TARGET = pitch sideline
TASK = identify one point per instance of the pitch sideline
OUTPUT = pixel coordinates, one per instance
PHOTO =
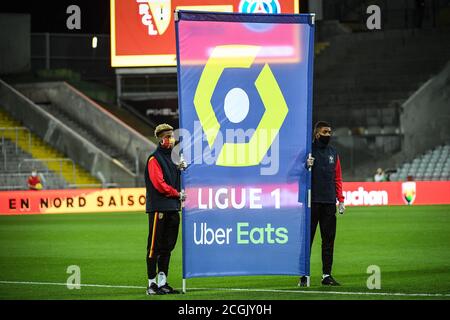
(237, 289)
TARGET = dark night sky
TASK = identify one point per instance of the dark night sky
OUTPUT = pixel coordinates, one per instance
(51, 16)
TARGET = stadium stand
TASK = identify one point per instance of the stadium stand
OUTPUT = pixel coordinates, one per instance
(17, 165)
(89, 135)
(433, 165)
(378, 72)
(362, 79)
(86, 131)
(23, 151)
(361, 83)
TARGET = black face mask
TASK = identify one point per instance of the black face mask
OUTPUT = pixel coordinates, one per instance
(324, 139)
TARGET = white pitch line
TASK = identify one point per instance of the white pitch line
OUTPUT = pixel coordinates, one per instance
(241, 289)
(65, 284)
(330, 292)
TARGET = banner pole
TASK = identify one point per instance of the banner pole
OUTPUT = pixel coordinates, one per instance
(180, 122)
(309, 206)
(309, 108)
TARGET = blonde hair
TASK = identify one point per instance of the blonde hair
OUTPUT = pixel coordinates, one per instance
(161, 128)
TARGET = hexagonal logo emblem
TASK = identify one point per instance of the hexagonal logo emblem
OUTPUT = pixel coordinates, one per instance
(276, 110)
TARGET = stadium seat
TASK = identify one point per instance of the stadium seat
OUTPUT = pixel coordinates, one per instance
(393, 177)
(436, 175)
(434, 164)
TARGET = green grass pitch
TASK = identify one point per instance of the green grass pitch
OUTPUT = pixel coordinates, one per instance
(409, 244)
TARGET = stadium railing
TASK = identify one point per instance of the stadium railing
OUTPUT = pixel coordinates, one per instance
(36, 162)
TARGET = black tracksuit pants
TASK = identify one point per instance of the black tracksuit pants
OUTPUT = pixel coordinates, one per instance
(324, 214)
(162, 238)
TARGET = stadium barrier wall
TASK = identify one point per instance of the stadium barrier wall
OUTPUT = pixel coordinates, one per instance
(64, 139)
(425, 117)
(107, 126)
(133, 199)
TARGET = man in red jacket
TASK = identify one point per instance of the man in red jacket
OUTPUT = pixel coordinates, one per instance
(163, 204)
(34, 181)
(326, 188)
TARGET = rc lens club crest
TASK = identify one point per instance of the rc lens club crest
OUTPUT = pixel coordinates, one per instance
(409, 192)
(155, 15)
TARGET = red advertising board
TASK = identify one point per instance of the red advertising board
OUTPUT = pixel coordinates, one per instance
(72, 201)
(397, 193)
(143, 31)
(133, 199)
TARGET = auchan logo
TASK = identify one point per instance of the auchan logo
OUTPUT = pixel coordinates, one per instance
(362, 197)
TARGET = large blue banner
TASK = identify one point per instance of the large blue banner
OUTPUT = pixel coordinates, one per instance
(245, 95)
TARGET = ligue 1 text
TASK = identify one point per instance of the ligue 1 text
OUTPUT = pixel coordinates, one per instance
(225, 198)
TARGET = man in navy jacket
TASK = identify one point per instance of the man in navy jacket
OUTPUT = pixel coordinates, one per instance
(326, 188)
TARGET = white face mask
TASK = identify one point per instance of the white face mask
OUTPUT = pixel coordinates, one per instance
(34, 174)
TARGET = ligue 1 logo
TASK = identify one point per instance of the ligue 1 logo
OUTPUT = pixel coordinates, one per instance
(276, 109)
(409, 192)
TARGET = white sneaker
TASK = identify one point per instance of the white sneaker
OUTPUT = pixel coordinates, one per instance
(162, 279)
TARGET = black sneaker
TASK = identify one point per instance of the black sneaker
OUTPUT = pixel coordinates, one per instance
(153, 289)
(166, 289)
(329, 281)
(303, 281)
